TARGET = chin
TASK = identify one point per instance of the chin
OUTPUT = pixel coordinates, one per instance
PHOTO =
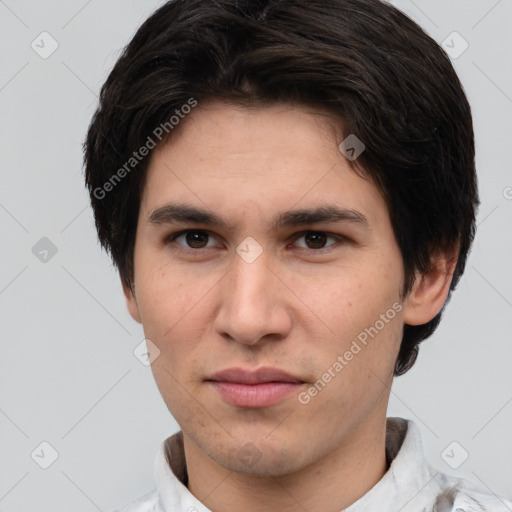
(262, 458)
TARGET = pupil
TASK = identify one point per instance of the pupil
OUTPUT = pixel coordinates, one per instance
(316, 239)
(194, 239)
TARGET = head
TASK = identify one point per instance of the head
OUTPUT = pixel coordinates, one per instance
(241, 110)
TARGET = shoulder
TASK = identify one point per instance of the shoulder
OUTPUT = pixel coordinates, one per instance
(460, 495)
(146, 503)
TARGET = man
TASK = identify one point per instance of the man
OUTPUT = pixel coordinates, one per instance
(288, 190)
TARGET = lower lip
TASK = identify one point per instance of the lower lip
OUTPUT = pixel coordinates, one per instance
(255, 395)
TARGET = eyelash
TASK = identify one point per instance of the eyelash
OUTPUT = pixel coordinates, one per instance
(173, 236)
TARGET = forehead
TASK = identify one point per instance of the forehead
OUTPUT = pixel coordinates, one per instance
(251, 162)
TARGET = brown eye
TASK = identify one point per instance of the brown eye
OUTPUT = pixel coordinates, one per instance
(196, 239)
(315, 240)
(191, 239)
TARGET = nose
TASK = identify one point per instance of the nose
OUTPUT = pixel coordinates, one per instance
(253, 306)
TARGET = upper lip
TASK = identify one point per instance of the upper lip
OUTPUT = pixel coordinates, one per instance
(265, 374)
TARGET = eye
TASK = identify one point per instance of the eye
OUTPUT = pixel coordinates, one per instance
(193, 239)
(315, 240)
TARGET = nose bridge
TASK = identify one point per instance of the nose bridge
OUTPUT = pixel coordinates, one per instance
(251, 273)
(251, 306)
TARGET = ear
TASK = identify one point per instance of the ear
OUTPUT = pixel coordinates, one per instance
(131, 303)
(430, 291)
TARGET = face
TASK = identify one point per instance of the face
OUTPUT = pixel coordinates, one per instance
(292, 266)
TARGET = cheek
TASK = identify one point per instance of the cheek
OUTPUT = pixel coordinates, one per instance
(362, 370)
(163, 297)
(362, 311)
(174, 305)
(351, 299)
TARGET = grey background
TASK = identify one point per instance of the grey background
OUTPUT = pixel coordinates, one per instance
(68, 375)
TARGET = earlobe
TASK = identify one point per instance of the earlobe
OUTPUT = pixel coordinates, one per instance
(430, 291)
(131, 303)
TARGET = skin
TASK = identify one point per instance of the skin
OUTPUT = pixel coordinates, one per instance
(297, 307)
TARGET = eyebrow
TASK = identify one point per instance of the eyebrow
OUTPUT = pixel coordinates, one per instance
(171, 213)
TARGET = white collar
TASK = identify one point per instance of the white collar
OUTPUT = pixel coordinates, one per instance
(409, 485)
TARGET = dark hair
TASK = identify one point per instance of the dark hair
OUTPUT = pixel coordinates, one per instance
(363, 61)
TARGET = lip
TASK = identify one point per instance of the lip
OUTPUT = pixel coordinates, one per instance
(254, 389)
(259, 376)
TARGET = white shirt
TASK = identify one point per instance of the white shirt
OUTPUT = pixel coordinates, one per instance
(409, 485)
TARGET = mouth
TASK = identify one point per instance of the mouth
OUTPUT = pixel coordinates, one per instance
(254, 389)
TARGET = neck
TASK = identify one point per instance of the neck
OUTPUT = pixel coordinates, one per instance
(329, 484)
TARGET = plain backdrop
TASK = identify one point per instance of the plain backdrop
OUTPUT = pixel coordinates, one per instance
(68, 374)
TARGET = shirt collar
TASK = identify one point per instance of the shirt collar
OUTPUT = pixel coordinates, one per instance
(402, 486)
(409, 475)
